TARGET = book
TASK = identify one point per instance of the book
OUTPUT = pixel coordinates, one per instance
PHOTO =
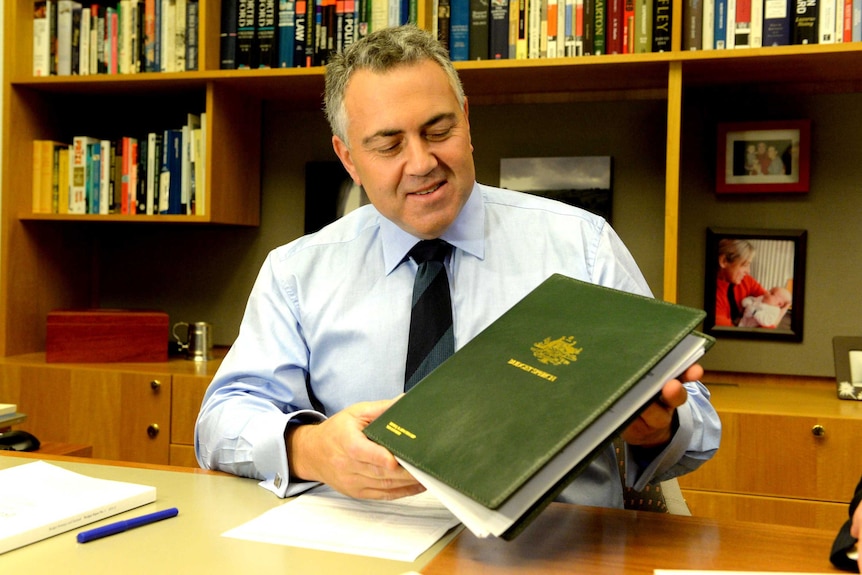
(228, 34)
(692, 34)
(7, 408)
(41, 500)
(662, 23)
(479, 34)
(266, 42)
(643, 26)
(245, 36)
(41, 39)
(720, 25)
(44, 168)
(459, 30)
(826, 22)
(499, 24)
(78, 174)
(804, 25)
(503, 425)
(286, 32)
(170, 175)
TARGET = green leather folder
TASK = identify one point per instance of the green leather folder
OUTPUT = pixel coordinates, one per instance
(515, 414)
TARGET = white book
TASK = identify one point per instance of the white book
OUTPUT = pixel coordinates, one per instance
(41, 39)
(826, 22)
(84, 48)
(708, 24)
(64, 36)
(78, 175)
(756, 37)
(154, 163)
(41, 500)
(105, 197)
(193, 121)
(730, 41)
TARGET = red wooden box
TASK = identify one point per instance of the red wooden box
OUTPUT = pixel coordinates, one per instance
(106, 335)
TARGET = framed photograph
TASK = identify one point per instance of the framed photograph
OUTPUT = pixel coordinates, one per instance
(848, 366)
(755, 283)
(758, 157)
(582, 181)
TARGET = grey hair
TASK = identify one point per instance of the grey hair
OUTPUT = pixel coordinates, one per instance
(380, 52)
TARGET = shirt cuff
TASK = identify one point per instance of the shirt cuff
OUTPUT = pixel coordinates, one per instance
(277, 480)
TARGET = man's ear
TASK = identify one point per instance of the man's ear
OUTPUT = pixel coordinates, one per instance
(343, 153)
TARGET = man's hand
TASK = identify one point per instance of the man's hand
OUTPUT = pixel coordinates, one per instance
(337, 453)
(654, 426)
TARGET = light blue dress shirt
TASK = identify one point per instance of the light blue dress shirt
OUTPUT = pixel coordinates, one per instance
(326, 326)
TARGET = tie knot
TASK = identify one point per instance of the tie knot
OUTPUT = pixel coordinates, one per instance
(427, 250)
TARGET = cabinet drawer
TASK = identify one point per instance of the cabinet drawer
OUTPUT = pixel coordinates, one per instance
(188, 393)
(777, 510)
(782, 455)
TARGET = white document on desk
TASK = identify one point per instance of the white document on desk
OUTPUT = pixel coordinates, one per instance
(326, 520)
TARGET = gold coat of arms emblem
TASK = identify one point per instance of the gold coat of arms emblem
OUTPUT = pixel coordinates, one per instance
(561, 351)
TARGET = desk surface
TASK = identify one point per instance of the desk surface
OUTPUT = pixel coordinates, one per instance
(595, 541)
(209, 504)
(564, 539)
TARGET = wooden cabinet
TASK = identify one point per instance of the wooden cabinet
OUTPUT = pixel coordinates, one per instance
(129, 412)
(789, 452)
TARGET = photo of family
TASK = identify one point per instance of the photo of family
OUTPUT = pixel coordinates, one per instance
(759, 157)
(755, 282)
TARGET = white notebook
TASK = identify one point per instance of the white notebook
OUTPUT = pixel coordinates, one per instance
(39, 500)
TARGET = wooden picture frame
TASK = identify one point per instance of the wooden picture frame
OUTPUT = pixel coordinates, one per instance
(776, 263)
(763, 157)
(848, 352)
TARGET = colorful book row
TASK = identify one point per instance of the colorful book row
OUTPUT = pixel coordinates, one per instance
(728, 24)
(161, 173)
(130, 36)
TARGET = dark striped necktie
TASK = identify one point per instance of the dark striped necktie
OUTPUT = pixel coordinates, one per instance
(431, 338)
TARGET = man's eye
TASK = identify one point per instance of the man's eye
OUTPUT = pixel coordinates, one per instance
(438, 135)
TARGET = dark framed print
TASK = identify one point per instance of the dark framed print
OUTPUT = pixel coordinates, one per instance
(582, 181)
(758, 157)
(848, 366)
(755, 283)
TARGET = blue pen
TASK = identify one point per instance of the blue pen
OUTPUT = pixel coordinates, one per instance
(120, 526)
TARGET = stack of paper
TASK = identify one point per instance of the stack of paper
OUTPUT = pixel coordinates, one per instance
(40, 500)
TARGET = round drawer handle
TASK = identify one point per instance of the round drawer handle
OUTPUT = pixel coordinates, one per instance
(156, 385)
(153, 430)
(818, 430)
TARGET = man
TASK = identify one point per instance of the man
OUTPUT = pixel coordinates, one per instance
(844, 553)
(322, 346)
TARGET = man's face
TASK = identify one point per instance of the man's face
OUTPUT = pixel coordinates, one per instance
(409, 146)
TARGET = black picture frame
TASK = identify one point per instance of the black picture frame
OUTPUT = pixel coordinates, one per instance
(842, 347)
(782, 266)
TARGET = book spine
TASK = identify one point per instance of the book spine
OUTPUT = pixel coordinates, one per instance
(41, 40)
(720, 30)
(804, 26)
(826, 22)
(78, 175)
(534, 28)
(444, 12)
(616, 11)
(661, 35)
(692, 33)
(286, 32)
(742, 24)
(756, 40)
(192, 32)
(267, 53)
(599, 27)
(94, 173)
(479, 34)
(84, 50)
(498, 30)
(105, 199)
(522, 42)
(228, 34)
(300, 34)
(552, 17)
(245, 33)
(459, 31)
(643, 26)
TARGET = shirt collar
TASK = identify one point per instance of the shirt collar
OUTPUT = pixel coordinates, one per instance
(467, 233)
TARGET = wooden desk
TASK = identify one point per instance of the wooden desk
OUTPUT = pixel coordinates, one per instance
(595, 541)
(564, 539)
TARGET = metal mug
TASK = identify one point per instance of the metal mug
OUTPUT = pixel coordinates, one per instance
(198, 343)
